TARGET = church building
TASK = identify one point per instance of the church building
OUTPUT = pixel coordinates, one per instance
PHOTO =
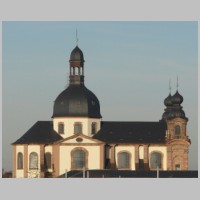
(77, 139)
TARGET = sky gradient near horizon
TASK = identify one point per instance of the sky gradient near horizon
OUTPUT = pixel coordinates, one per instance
(127, 66)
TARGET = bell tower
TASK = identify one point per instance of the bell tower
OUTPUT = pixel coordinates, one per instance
(176, 135)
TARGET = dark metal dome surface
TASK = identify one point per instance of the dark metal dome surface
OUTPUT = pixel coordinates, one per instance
(75, 101)
(176, 113)
(168, 100)
(173, 107)
(177, 98)
(76, 55)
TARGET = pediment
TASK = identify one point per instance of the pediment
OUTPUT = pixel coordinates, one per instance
(80, 139)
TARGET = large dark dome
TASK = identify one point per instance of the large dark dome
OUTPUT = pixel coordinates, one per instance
(76, 55)
(76, 101)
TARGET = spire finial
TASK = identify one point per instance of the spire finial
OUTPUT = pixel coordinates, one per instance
(177, 83)
(170, 86)
(76, 37)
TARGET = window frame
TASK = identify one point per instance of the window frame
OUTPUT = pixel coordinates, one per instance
(20, 163)
(161, 160)
(73, 159)
(36, 155)
(61, 126)
(177, 131)
(93, 128)
(81, 127)
(128, 166)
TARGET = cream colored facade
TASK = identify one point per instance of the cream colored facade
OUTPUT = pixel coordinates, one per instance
(25, 171)
(65, 155)
(19, 172)
(141, 152)
(163, 151)
(69, 123)
(95, 155)
(130, 149)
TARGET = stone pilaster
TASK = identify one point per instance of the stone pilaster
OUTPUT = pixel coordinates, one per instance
(169, 158)
(56, 160)
(136, 157)
(146, 157)
(14, 161)
(42, 167)
(102, 156)
(26, 159)
(112, 159)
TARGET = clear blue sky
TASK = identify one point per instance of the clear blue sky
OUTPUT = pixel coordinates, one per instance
(127, 65)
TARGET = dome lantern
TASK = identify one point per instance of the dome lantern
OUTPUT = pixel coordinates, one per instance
(76, 100)
(76, 66)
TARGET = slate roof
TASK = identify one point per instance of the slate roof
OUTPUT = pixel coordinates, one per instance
(40, 133)
(111, 132)
(76, 100)
(132, 132)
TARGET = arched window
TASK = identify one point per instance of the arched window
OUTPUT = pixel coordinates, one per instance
(93, 127)
(78, 159)
(33, 160)
(155, 160)
(61, 128)
(177, 130)
(48, 160)
(19, 160)
(124, 160)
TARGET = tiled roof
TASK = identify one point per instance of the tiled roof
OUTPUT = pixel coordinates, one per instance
(132, 132)
(40, 133)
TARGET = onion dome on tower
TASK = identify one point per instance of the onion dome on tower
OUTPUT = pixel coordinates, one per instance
(168, 100)
(177, 98)
(168, 104)
(76, 100)
(173, 106)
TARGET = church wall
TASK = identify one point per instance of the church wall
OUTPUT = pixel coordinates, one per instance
(65, 157)
(141, 152)
(163, 151)
(48, 149)
(69, 125)
(19, 172)
(130, 150)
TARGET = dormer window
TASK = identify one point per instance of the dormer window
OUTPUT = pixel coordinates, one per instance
(77, 128)
(61, 128)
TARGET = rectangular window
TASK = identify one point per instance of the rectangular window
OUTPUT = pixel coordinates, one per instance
(178, 167)
(77, 128)
(93, 128)
(61, 128)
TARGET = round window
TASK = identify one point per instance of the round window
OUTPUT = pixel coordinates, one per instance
(79, 139)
